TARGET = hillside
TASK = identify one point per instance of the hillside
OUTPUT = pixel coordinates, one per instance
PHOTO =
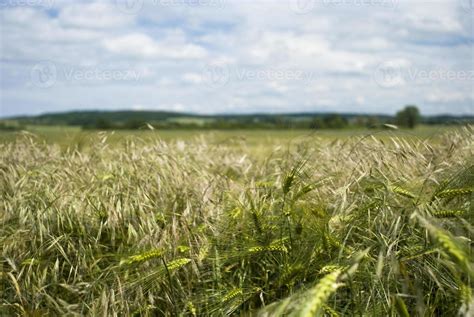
(165, 119)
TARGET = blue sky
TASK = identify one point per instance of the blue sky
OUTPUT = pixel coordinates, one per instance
(223, 56)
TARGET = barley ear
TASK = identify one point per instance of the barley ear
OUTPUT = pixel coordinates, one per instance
(142, 257)
(319, 295)
(454, 192)
(402, 192)
(447, 213)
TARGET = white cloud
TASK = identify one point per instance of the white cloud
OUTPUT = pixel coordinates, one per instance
(277, 86)
(143, 46)
(448, 96)
(94, 15)
(193, 78)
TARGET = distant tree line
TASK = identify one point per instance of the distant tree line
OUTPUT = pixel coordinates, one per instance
(408, 117)
(9, 125)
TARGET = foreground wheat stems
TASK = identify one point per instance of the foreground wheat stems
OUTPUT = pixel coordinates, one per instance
(319, 294)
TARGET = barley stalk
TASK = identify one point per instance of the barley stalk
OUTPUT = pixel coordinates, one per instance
(454, 192)
(319, 294)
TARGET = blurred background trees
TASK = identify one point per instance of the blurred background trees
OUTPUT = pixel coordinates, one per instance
(409, 117)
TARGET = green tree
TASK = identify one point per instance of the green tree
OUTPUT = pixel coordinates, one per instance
(335, 121)
(317, 123)
(372, 122)
(134, 124)
(103, 124)
(408, 117)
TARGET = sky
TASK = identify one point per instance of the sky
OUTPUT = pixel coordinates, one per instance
(242, 56)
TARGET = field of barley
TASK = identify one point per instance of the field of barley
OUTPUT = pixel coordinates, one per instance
(212, 226)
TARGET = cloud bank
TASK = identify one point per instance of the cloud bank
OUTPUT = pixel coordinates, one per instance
(223, 56)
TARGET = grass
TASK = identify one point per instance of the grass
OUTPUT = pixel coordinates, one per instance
(249, 140)
(275, 225)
